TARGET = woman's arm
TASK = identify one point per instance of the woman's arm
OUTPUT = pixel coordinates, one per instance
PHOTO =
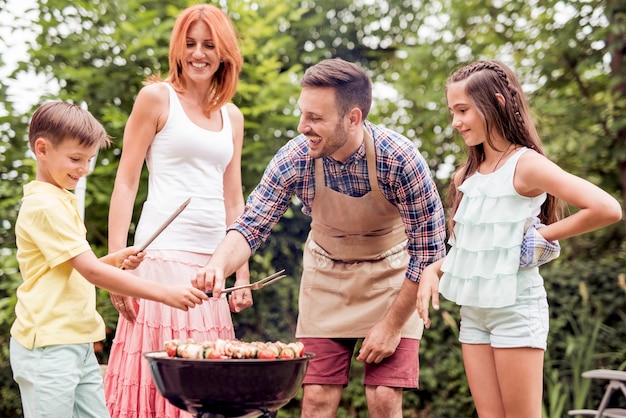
(146, 119)
(234, 204)
(148, 116)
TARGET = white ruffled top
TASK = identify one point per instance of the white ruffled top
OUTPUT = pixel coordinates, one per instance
(482, 265)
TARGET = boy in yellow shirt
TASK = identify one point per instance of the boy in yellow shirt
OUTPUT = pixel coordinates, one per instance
(51, 348)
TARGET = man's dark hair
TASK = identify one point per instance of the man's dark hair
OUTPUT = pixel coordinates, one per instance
(353, 87)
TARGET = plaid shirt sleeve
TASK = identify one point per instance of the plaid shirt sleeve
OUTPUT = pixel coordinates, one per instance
(271, 197)
(536, 250)
(407, 182)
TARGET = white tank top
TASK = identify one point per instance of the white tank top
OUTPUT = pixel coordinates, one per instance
(185, 161)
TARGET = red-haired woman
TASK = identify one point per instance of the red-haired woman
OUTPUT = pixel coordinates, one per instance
(190, 136)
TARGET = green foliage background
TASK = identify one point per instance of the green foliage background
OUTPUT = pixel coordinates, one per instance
(570, 57)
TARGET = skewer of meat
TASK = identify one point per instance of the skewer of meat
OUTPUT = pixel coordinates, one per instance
(236, 349)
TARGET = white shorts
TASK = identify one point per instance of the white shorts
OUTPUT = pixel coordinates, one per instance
(524, 324)
(58, 381)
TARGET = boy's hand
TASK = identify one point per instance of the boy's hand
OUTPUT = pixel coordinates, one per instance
(183, 297)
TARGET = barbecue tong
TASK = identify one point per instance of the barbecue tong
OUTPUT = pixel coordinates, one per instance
(256, 285)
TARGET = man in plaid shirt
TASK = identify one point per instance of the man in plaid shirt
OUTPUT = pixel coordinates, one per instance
(377, 221)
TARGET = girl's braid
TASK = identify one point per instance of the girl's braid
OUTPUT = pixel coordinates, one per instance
(502, 75)
(517, 115)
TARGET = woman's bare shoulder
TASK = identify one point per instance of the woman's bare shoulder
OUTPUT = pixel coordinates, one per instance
(154, 91)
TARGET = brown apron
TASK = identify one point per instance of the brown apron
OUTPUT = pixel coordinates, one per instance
(355, 261)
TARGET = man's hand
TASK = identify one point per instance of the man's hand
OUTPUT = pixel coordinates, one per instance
(240, 300)
(380, 342)
(209, 278)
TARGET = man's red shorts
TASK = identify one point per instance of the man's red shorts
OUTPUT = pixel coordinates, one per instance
(331, 364)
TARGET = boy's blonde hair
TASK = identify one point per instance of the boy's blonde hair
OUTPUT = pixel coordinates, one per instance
(59, 121)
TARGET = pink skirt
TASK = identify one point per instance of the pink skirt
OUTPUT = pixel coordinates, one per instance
(129, 388)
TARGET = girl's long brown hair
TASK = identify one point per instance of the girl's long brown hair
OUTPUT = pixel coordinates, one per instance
(225, 39)
(513, 121)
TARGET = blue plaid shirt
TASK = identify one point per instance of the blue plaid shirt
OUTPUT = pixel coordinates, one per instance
(404, 179)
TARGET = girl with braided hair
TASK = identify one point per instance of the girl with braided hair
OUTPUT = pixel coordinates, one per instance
(505, 222)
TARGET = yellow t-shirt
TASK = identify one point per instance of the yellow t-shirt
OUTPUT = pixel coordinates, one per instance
(55, 304)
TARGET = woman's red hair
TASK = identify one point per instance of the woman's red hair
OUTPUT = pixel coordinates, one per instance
(225, 38)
